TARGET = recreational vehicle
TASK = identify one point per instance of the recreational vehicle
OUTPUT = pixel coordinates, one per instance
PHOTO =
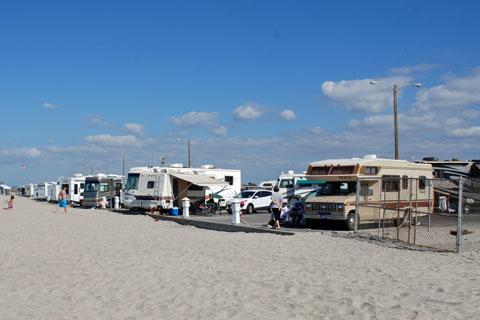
(165, 187)
(381, 183)
(53, 191)
(42, 191)
(35, 191)
(28, 190)
(294, 186)
(101, 185)
(75, 186)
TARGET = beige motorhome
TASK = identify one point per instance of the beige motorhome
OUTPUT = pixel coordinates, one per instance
(383, 183)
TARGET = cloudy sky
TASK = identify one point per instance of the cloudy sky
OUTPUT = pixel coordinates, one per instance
(261, 86)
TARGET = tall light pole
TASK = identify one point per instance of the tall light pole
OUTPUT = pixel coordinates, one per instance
(188, 142)
(395, 117)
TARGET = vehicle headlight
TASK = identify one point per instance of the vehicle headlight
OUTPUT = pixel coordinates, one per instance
(340, 208)
(308, 206)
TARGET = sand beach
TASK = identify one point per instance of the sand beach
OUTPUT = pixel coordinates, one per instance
(94, 264)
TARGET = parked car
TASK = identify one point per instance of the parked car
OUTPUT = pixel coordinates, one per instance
(298, 208)
(252, 200)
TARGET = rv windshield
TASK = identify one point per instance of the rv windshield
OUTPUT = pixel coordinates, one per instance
(338, 188)
(132, 181)
(92, 186)
(245, 194)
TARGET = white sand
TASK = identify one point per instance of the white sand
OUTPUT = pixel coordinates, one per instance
(101, 265)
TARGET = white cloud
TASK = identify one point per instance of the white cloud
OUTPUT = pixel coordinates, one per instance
(96, 121)
(419, 68)
(220, 131)
(134, 128)
(457, 92)
(465, 132)
(19, 155)
(247, 111)
(112, 141)
(287, 115)
(47, 105)
(360, 95)
(194, 119)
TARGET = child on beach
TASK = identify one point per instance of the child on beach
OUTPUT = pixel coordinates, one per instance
(10, 203)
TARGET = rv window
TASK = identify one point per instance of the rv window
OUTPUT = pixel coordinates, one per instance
(150, 184)
(132, 181)
(82, 185)
(229, 179)
(371, 170)
(75, 189)
(104, 187)
(286, 183)
(319, 171)
(343, 170)
(422, 181)
(404, 182)
(390, 183)
(92, 186)
(118, 186)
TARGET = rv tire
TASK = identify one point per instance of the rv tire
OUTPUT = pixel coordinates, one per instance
(350, 223)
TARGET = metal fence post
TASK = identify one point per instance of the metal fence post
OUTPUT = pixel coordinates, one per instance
(410, 210)
(429, 194)
(459, 214)
(357, 202)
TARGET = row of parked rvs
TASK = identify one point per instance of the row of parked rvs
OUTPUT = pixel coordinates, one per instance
(81, 190)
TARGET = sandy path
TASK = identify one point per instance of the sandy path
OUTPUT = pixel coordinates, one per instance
(100, 265)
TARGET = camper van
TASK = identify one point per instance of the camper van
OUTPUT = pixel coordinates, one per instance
(294, 186)
(336, 198)
(75, 186)
(101, 185)
(165, 187)
(53, 191)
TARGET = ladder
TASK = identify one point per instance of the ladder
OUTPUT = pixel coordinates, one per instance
(156, 188)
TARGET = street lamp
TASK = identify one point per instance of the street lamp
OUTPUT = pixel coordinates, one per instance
(395, 123)
(188, 141)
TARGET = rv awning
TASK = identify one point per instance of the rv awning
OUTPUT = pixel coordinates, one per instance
(200, 180)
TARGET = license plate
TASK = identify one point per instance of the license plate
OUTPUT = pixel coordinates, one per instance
(322, 216)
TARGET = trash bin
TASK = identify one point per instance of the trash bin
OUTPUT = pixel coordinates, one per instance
(174, 211)
(116, 202)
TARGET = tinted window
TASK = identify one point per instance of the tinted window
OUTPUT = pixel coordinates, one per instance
(150, 184)
(286, 183)
(229, 179)
(371, 170)
(422, 181)
(390, 183)
(132, 181)
(104, 187)
(319, 170)
(343, 170)
(245, 194)
(404, 182)
(75, 189)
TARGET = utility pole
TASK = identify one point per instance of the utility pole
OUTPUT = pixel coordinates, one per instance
(189, 163)
(124, 166)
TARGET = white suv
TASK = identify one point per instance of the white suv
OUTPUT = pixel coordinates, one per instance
(252, 200)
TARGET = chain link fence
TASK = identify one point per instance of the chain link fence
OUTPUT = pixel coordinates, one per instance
(421, 211)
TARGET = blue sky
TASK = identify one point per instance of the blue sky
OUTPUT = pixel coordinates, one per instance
(267, 85)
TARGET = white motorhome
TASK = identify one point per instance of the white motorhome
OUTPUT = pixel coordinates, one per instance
(383, 183)
(294, 186)
(35, 191)
(165, 187)
(75, 186)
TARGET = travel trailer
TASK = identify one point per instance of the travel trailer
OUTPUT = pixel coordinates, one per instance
(267, 185)
(294, 186)
(28, 190)
(164, 187)
(53, 191)
(336, 199)
(35, 191)
(42, 191)
(75, 186)
(101, 185)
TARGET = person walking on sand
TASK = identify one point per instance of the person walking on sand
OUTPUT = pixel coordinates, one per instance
(10, 203)
(62, 200)
(277, 202)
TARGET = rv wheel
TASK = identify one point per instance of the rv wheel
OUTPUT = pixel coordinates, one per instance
(350, 223)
